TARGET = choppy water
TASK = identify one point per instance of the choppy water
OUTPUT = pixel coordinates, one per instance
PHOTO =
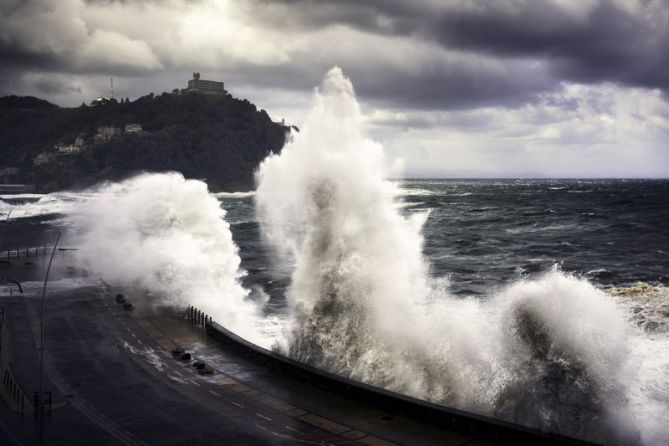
(493, 240)
(484, 234)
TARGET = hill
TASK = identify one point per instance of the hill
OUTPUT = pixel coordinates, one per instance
(210, 136)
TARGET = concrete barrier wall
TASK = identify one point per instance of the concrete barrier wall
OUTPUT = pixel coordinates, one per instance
(445, 417)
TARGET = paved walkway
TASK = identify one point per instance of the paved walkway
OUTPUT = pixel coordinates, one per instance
(114, 381)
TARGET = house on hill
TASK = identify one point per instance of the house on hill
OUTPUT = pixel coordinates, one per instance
(204, 86)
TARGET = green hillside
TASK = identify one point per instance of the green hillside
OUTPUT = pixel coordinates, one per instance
(210, 136)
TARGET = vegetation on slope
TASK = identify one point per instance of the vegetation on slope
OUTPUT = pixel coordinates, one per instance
(214, 137)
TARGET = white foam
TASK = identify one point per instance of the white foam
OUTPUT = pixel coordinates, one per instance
(234, 194)
(168, 235)
(20, 196)
(55, 203)
(553, 352)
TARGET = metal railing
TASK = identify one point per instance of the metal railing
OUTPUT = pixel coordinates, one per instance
(17, 253)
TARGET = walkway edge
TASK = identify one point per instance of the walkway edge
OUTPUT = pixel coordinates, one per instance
(441, 416)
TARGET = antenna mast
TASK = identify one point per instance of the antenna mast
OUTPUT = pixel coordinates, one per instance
(112, 87)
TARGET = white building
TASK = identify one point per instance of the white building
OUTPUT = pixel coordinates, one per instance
(69, 149)
(43, 158)
(204, 86)
(105, 134)
(131, 128)
(80, 141)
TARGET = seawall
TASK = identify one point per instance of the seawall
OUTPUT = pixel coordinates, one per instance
(438, 415)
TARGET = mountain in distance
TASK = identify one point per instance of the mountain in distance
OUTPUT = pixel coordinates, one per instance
(214, 137)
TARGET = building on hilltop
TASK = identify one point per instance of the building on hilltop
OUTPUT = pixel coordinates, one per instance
(102, 100)
(203, 86)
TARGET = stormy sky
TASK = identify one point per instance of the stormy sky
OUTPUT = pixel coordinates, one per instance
(572, 88)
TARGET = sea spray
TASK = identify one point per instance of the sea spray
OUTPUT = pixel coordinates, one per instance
(324, 202)
(549, 353)
(167, 235)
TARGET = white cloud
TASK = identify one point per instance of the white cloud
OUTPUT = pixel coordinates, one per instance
(601, 130)
(113, 51)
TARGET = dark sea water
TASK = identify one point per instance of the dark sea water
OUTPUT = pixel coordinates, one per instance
(484, 234)
(606, 352)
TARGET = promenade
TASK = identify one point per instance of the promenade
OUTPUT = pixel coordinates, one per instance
(113, 379)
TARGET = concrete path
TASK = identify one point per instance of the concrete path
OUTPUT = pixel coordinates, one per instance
(114, 381)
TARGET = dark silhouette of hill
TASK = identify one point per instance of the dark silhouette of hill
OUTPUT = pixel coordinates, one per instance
(210, 136)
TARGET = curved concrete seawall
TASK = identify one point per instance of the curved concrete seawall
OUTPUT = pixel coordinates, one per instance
(441, 416)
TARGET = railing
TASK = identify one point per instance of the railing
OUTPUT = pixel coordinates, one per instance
(197, 317)
(17, 253)
(439, 415)
(12, 390)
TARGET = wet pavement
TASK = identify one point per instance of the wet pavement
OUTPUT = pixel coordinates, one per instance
(114, 380)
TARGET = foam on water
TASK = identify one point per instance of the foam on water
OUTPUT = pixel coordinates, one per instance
(554, 352)
(44, 205)
(234, 194)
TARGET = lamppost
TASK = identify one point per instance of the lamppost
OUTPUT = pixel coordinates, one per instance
(41, 379)
(4, 228)
(2, 239)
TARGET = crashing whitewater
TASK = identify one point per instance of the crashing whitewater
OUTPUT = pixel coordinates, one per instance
(554, 352)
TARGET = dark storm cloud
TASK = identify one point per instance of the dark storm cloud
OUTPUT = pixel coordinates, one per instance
(610, 44)
(434, 84)
(585, 42)
(430, 54)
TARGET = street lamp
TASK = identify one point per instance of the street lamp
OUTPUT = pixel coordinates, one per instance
(4, 228)
(41, 379)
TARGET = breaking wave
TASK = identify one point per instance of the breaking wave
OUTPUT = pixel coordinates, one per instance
(555, 353)
(168, 235)
(35, 205)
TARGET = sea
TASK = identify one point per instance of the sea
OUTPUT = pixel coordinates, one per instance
(484, 234)
(598, 249)
(541, 302)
